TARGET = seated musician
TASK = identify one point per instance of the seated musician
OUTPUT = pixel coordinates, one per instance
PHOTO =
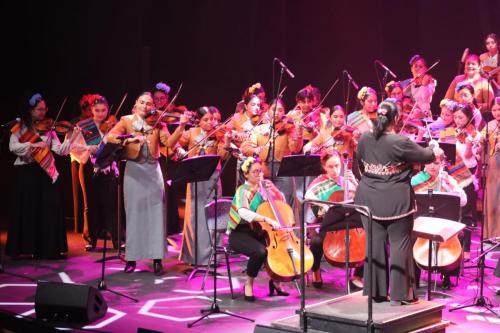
(243, 237)
(435, 178)
(323, 188)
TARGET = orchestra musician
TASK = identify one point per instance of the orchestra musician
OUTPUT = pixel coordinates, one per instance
(100, 184)
(465, 93)
(322, 188)
(255, 89)
(492, 213)
(363, 120)
(37, 226)
(434, 177)
(245, 239)
(421, 86)
(305, 113)
(198, 142)
(287, 141)
(482, 89)
(466, 140)
(445, 119)
(385, 160)
(143, 185)
(393, 89)
(490, 59)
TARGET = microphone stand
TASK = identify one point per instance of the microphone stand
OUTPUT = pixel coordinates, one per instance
(214, 308)
(481, 300)
(273, 126)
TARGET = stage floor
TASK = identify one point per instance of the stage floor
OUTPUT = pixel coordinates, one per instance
(168, 303)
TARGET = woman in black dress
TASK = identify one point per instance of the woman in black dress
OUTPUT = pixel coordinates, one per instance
(385, 159)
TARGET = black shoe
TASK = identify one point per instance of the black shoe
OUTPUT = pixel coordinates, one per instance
(129, 267)
(380, 299)
(250, 298)
(273, 288)
(158, 267)
(406, 302)
(319, 280)
(446, 283)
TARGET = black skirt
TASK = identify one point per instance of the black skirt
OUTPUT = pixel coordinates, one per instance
(37, 223)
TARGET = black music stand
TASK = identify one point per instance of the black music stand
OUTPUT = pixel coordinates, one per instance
(449, 149)
(445, 206)
(106, 154)
(194, 170)
(301, 166)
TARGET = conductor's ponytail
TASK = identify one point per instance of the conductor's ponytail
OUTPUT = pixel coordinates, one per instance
(387, 114)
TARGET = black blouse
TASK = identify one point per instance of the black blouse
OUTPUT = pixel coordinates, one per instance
(386, 173)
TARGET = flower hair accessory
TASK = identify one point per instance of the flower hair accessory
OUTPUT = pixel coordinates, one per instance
(248, 163)
(35, 99)
(363, 93)
(256, 87)
(162, 87)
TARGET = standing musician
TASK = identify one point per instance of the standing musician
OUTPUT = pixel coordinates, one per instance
(393, 89)
(242, 125)
(337, 136)
(363, 120)
(243, 237)
(80, 206)
(287, 141)
(466, 140)
(421, 86)
(168, 165)
(492, 212)
(100, 184)
(385, 159)
(37, 226)
(490, 59)
(305, 113)
(323, 188)
(255, 89)
(465, 95)
(198, 142)
(143, 185)
(435, 178)
(482, 89)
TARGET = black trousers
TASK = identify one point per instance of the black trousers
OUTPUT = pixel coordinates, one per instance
(397, 274)
(250, 243)
(469, 217)
(334, 219)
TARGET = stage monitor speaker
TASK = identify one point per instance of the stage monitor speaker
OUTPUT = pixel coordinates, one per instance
(67, 302)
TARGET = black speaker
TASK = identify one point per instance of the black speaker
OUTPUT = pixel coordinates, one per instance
(67, 302)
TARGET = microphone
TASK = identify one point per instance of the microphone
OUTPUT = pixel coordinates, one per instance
(124, 136)
(10, 123)
(351, 79)
(285, 68)
(385, 68)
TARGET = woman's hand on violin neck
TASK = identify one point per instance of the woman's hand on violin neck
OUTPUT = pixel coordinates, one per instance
(186, 116)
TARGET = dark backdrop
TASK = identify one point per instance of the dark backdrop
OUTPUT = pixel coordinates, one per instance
(217, 48)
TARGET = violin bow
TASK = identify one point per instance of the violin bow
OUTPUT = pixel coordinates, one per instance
(120, 105)
(428, 69)
(169, 104)
(55, 120)
(317, 108)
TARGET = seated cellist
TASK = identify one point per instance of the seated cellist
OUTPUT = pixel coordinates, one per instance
(242, 237)
(323, 188)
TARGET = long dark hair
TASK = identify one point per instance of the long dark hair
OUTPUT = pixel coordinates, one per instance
(387, 113)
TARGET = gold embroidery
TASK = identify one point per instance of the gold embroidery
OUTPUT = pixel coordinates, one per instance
(384, 170)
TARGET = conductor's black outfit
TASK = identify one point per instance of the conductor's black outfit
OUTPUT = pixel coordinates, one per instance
(385, 188)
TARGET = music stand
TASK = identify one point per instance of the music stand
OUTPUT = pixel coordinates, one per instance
(437, 213)
(301, 166)
(194, 170)
(449, 149)
(106, 154)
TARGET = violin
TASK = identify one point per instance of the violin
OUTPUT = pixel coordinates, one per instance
(153, 117)
(283, 247)
(343, 132)
(422, 80)
(463, 133)
(46, 125)
(334, 244)
(108, 124)
(284, 125)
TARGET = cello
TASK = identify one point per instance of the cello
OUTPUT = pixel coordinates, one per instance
(334, 244)
(283, 246)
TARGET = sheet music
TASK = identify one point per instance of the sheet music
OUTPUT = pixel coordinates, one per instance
(436, 229)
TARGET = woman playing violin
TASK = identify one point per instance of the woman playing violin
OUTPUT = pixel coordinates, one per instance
(363, 120)
(491, 59)
(421, 86)
(482, 89)
(243, 238)
(307, 114)
(338, 136)
(37, 226)
(323, 188)
(200, 140)
(465, 95)
(287, 141)
(100, 195)
(143, 185)
(255, 89)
